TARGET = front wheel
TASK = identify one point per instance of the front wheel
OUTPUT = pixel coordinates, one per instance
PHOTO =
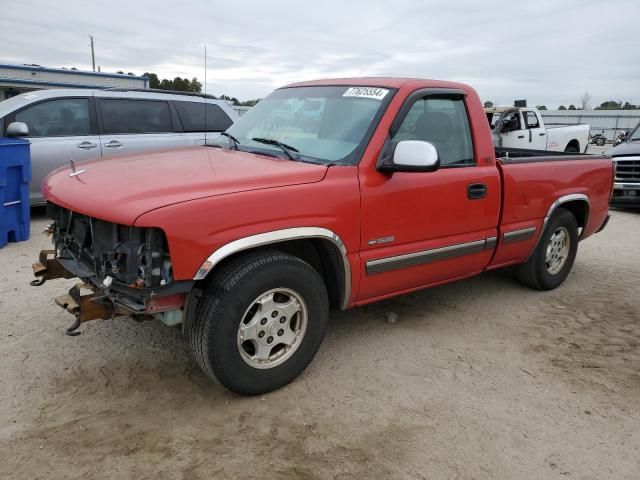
(600, 142)
(260, 321)
(551, 261)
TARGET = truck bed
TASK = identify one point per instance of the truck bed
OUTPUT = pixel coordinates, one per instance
(530, 178)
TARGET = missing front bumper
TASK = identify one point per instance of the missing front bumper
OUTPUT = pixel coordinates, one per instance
(91, 300)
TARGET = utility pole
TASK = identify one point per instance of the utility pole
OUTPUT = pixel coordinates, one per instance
(93, 56)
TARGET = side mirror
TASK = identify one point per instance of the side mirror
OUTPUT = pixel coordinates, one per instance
(414, 156)
(17, 129)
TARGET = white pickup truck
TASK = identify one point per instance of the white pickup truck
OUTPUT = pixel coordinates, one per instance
(522, 127)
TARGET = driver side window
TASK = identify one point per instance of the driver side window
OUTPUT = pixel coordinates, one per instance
(443, 122)
(512, 121)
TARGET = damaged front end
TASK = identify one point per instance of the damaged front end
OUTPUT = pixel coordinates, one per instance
(123, 270)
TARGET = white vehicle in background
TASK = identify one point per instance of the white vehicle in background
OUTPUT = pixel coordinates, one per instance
(522, 127)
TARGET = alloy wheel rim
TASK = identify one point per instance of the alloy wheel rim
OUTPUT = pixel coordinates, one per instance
(272, 328)
(557, 250)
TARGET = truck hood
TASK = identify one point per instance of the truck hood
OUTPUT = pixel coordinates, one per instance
(626, 148)
(120, 189)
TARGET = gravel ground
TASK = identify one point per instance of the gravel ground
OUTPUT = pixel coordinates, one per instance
(479, 379)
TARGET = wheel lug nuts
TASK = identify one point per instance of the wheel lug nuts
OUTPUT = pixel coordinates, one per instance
(263, 321)
(261, 334)
(283, 319)
(280, 332)
(274, 314)
(270, 339)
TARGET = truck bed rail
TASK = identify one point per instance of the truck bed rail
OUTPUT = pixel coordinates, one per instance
(523, 155)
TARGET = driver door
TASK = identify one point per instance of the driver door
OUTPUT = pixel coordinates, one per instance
(422, 228)
(515, 136)
(537, 134)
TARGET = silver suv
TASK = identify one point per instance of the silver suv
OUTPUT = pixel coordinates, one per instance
(79, 124)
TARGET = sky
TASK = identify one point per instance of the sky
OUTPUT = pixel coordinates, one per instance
(548, 52)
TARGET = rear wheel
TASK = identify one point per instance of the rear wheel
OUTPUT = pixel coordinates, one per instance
(600, 142)
(553, 258)
(572, 148)
(259, 322)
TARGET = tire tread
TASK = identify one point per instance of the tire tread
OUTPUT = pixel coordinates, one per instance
(530, 272)
(223, 283)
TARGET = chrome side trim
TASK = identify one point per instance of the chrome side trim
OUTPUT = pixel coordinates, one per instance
(518, 235)
(564, 199)
(382, 265)
(276, 236)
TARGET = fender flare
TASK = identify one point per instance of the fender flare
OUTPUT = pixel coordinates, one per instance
(572, 197)
(277, 236)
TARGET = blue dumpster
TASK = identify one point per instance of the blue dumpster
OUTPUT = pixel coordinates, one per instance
(15, 174)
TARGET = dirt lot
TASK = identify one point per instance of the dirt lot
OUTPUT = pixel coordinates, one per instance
(480, 379)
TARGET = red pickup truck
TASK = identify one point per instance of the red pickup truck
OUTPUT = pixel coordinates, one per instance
(327, 195)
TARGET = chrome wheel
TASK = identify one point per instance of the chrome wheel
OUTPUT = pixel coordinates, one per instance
(558, 250)
(272, 328)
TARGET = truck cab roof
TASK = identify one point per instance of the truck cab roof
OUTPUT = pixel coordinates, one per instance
(383, 82)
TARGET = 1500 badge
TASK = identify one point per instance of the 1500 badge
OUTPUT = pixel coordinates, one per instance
(381, 240)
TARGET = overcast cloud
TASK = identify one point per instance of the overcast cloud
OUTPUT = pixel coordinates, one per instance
(549, 52)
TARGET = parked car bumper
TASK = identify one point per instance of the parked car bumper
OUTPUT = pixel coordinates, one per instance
(626, 194)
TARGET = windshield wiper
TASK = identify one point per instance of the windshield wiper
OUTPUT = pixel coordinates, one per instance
(233, 139)
(287, 149)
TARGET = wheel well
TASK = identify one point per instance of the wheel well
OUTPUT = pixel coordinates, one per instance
(321, 254)
(579, 209)
(573, 143)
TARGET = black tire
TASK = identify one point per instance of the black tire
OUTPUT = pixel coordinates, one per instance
(600, 142)
(535, 272)
(229, 295)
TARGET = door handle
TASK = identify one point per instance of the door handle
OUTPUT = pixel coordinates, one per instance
(520, 136)
(542, 134)
(476, 191)
(113, 144)
(86, 145)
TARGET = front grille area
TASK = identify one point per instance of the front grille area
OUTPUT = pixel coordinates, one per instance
(627, 169)
(134, 256)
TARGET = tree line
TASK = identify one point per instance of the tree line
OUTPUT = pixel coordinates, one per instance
(180, 84)
(185, 85)
(608, 105)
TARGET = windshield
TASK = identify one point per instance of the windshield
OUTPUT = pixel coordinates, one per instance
(317, 124)
(635, 135)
